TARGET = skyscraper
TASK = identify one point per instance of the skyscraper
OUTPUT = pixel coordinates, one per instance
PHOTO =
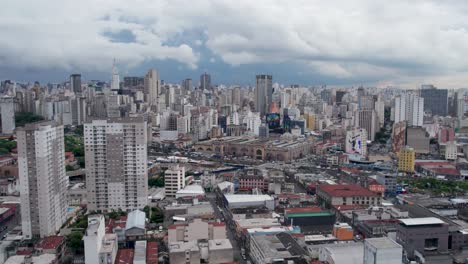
(187, 85)
(368, 120)
(263, 93)
(115, 81)
(75, 83)
(435, 100)
(152, 87)
(41, 163)
(116, 163)
(7, 107)
(205, 81)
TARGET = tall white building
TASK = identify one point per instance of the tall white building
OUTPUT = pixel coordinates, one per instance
(41, 164)
(253, 122)
(99, 247)
(152, 87)
(356, 142)
(382, 250)
(116, 163)
(367, 119)
(410, 108)
(7, 108)
(174, 180)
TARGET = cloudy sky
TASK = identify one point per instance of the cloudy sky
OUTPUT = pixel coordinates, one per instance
(310, 42)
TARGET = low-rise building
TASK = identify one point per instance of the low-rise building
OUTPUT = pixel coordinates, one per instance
(249, 200)
(282, 247)
(196, 230)
(99, 247)
(135, 225)
(406, 159)
(346, 194)
(382, 250)
(425, 234)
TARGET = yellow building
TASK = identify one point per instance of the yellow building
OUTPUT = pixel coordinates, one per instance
(310, 121)
(406, 159)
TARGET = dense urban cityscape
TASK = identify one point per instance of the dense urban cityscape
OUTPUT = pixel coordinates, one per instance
(233, 132)
(143, 171)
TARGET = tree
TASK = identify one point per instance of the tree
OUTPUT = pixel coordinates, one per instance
(75, 242)
(156, 182)
(22, 119)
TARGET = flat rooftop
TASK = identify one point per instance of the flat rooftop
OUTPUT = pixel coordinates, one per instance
(422, 221)
(382, 242)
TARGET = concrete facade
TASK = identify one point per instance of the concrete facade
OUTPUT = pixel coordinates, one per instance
(41, 163)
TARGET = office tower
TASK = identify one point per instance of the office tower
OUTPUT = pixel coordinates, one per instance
(75, 83)
(435, 100)
(116, 163)
(133, 82)
(78, 110)
(327, 96)
(152, 87)
(41, 163)
(187, 85)
(368, 120)
(205, 81)
(263, 93)
(382, 250)
(113, 105)
(99, 247)
(7, 108)
(379, 107)
(339, 96)
(115, 81)
(406, 158)
(236, 96)
(366, 102)
(174, 180)
(360, 93)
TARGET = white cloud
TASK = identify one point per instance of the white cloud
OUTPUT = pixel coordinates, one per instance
(393, 40)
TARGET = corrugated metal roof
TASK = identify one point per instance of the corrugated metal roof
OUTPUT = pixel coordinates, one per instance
(137, 219)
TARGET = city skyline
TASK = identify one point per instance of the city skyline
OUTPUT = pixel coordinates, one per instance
(362, 43)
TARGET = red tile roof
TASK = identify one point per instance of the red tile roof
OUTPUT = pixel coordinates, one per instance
(50, 242)
(218, 224)
(345, 190)
(310, 209)
(24, 252)
(124, 256)
(152, 253)
(349, 207)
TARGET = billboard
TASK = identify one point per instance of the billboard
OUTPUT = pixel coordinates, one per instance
(273, 120)
(356, 142)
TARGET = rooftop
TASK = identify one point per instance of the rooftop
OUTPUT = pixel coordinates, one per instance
(152, 253)
(218, 244)
(192, 189)
(50, 242)
(136, 219)
(238, 198)
(422, 221)
(382, 242)
(346, 190)
(124, 256)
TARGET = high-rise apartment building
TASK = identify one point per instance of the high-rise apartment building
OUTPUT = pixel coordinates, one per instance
(409, 108)
(368, 120)
(263, 93)
(116, 163)
(205, 81)
(174, 180)
(406, 159)
(152, 87)
(75, 83)
(41, 164)
(435, 100)
(7, 108)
